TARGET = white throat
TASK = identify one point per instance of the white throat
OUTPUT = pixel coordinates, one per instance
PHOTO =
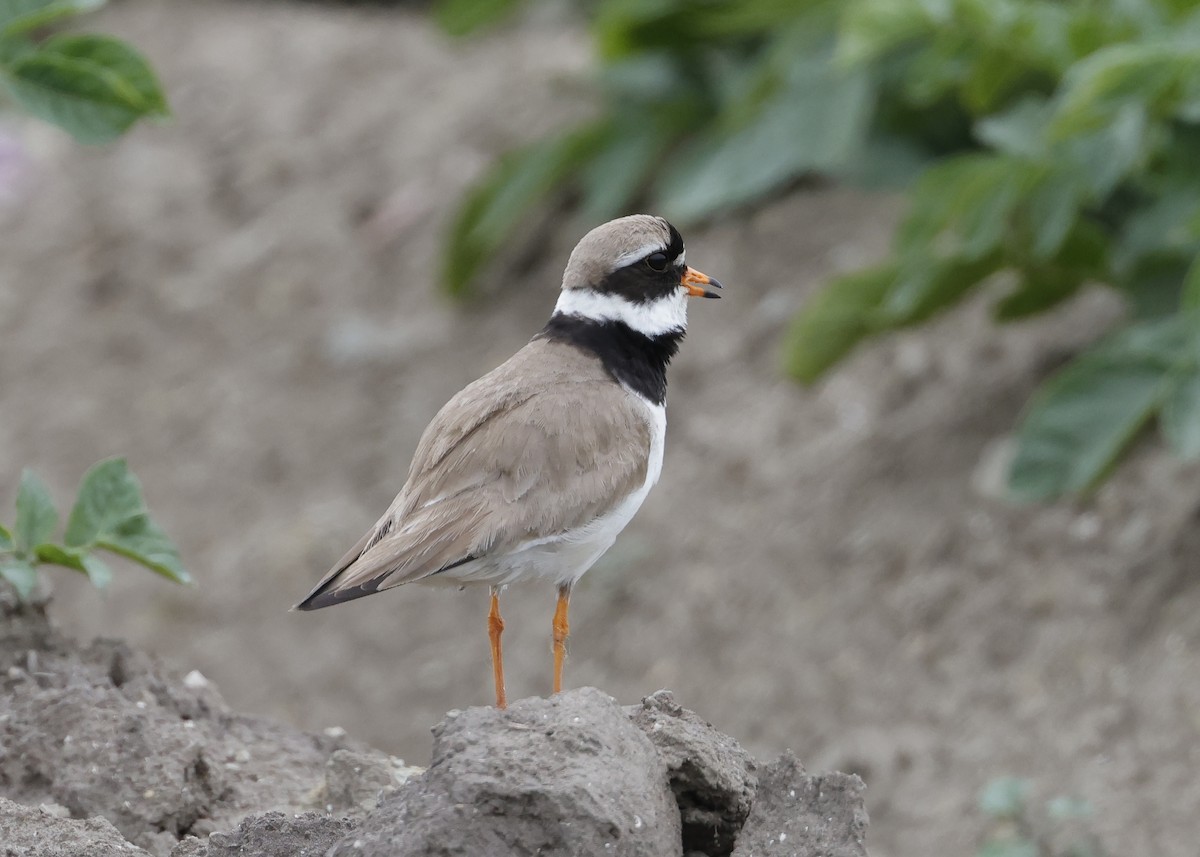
(653, 318)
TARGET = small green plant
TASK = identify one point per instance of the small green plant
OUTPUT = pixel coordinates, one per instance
(1046, 146)
(1081, 127)
(1015, 830)
(109, 514)
(94, 87)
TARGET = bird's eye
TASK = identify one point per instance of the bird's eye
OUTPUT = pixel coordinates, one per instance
(658, 262)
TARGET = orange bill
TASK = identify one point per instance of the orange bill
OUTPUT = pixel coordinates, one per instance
(699, 285)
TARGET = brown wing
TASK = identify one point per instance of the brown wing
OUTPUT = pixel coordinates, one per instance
(543, 444)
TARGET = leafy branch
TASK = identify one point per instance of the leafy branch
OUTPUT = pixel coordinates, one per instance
(109, 514)
(1084, 124)
(1046, 147)
(94, 87)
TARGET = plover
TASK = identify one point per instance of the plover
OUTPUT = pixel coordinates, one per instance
(530, 472)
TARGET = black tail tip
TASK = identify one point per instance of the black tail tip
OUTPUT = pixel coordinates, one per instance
(315, 601)
(329, 595)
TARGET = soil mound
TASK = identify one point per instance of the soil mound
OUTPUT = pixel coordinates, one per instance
(104, 751)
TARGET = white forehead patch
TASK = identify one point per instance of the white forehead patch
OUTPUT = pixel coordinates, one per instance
(653, 318)
(638, 254)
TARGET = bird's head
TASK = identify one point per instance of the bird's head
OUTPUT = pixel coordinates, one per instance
(632, 270)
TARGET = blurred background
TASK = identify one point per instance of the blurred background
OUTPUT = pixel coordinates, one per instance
(356, 209)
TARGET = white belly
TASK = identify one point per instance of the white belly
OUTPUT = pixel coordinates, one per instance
(564, 558)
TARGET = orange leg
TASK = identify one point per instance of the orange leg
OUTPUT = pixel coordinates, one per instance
(561, 629)
(495, 629)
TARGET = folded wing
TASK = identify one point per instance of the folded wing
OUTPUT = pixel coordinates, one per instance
(544, 444)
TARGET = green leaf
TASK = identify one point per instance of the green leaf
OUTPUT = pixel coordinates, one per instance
(885, 162)
(1018, 130)
(462, 17)
(21, 16)
(98, 573)
(503, 198)
(815, 124)
(924, 287)
(1052, 208)
(993, 77)
(655, 79)
(963, 206)
(1082, 256)
(982, 227)
(1180, 417)
(1004, 797)
(21, 574)
(871, 29)
(13, 48)
(36, 516)
(6, 539)
(1190, 297)
(618, 171)
(1152, 74)
(1153, 289)
(139, 539)
(933, 75)
(93, 87)
(71, 95)
(130, 72)
(109, 495)
(59, 555)
(1039, 289)
(1103, 158)
(111, 514)
(834, 320)
(77, 559)
(622, 28)
(1164, 224)
(1084, 418)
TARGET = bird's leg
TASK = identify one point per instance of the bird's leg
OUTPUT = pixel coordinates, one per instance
(495, 629)
(561, 629)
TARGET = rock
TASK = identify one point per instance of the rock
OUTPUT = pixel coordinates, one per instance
(355, 780)
(798, 814)
(569, 776)
(32, 832)
(191, 846)
(138, 676)
(98, 753)
(104, 730)
(272, 834)
(711, 775)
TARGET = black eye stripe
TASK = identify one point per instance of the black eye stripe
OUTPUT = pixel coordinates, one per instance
(638, 283)
(649, 277)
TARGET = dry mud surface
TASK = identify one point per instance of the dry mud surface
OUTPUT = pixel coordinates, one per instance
(104, 752)
(243, 303)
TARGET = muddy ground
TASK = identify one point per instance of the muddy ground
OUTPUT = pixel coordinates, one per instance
(243, 303)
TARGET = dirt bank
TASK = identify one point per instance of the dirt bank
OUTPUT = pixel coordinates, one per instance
(103, 751)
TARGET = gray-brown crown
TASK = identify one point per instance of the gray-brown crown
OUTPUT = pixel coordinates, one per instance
(615, 244)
